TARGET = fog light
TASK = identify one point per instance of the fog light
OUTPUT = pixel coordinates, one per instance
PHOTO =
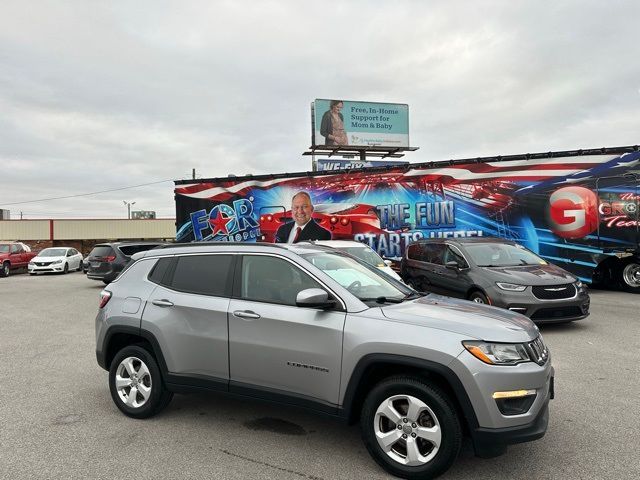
(514, 402)
(513, 394)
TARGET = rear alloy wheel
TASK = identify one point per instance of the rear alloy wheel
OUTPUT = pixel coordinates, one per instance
(410, 428)
(479, 297)
(6, 269)
(136, 384)
(630, 276)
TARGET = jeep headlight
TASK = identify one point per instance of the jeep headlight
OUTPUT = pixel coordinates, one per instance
(511, 287)
(498, 353)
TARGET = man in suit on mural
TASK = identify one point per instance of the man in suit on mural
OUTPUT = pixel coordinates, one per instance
(303, 227)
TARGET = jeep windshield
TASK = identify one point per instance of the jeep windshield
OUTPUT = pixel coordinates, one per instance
(363, 281)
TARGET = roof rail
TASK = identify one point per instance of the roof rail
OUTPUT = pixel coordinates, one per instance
(204, 244)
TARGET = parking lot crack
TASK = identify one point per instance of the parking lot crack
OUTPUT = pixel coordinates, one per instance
(275, 467)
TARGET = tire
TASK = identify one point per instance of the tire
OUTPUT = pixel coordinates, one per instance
(6, 269)
(127, 363)
(479, 297)
(629, 276)
(428, 411)
(66, 269)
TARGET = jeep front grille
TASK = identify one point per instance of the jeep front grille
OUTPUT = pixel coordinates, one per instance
(539, 351)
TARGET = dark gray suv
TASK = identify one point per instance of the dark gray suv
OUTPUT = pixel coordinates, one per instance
(496, 272)
(107, 260)
(311, 326)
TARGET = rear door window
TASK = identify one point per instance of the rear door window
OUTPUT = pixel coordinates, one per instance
(417, 251)
(434, 253)
(203, 275)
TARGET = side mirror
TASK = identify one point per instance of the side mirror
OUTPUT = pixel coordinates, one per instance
(314, 298)
(452, 265)
(388, 263)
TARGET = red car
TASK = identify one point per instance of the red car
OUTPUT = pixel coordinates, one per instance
(13, 256)
(343, 220)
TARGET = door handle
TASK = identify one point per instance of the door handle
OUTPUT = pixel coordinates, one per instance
(246, 314)
(162, 303)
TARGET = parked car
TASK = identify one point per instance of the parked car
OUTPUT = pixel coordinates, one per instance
(107, 260)
(496, 272)
(14, 256)
(56, 259)
(311, 326)
(363, 252)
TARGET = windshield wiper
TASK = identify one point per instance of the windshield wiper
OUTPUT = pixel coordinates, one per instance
(383, 300)
(412, 295)
(505, 265)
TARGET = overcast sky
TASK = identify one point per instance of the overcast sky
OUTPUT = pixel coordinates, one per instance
(102, 95)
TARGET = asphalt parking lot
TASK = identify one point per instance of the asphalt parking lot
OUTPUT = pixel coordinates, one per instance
(58, 419)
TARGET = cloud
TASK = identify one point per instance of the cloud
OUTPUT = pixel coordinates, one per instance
(102, 95)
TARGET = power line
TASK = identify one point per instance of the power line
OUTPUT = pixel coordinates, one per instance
(86, 194)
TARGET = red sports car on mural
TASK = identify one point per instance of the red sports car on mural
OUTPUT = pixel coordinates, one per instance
(343, 220)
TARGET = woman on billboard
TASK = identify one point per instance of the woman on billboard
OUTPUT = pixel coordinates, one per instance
(332, 126)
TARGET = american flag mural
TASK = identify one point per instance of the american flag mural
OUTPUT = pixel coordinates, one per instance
(571, 209)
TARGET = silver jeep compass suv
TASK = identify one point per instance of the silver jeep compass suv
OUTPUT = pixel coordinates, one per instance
(311, 326)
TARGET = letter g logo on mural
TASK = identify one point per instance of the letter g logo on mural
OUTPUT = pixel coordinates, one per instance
(573, 212)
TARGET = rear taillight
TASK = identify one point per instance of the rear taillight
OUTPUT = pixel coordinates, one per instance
(109, 259)
(105, 296)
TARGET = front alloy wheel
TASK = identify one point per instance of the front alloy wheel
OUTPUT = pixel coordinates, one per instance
(407, 430)
(479, 297)
(411, 428)
(5, 269)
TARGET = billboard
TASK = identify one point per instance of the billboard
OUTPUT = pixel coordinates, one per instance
(363, 124)
(327, 164)
(568, 209)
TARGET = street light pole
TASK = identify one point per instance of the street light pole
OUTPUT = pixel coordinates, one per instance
(128, 204)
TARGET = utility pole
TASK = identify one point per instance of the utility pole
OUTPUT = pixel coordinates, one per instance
(193, 173)
(128, 204)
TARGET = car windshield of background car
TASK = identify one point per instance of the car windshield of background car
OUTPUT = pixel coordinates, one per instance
(502, 255)
(362, 281)
(4, 248)
(53, 252)
(366, 255)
